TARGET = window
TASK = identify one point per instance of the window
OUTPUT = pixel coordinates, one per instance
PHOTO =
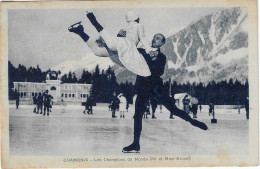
(24, 94)
(62, 95)
(32, 93)
(69, 95)
(53, 88)
(73, 95)
(21, 94)
(84, 95)
(66, 95)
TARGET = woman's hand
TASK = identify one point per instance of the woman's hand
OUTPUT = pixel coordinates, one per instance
(121, 33)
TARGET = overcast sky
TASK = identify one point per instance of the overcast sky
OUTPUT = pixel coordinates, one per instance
(42, 36)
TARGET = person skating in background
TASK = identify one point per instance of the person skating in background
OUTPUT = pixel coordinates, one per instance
(194, 109)
(90, 105)
(211, 108)
(154, 106)
(160, 108)
(194, 106)
(86, 105)
(109, 107)
(35, 103)
(46, 101)
(51, 104)
(200, 107)
(247, 107)
(122, 105)
(17, 99)
(114, 105)
(39, 103)
(147, 110)
(186, 102)
(127, 106)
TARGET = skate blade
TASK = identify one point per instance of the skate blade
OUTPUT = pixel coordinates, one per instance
(74, 25)
(132, 151)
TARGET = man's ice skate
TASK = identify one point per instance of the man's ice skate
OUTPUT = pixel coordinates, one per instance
(199, 124)
(133, 148)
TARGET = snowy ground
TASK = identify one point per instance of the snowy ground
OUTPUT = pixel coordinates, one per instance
(67, 131)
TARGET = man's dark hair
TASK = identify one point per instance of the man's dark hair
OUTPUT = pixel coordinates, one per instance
(163, 39)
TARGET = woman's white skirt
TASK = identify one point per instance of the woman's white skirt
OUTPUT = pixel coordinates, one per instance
(130, 57)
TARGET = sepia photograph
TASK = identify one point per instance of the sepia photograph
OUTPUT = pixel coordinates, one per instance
(129, 85)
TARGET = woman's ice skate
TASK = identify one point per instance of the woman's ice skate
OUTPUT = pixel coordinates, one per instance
(76, 28)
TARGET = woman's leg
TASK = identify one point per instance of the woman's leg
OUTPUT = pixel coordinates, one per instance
(109, 40)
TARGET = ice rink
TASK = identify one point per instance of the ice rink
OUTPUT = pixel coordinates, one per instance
(69, 132)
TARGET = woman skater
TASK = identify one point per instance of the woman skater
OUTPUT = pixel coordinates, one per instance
(126, 46)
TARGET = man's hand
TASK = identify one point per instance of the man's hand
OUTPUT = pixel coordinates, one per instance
(121, 33)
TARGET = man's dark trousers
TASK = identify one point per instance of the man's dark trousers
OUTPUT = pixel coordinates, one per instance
(152, 88)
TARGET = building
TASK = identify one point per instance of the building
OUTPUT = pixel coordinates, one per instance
(68, 92)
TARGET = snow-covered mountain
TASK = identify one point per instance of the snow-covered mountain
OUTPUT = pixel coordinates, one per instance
(87, 62)
(213, 48)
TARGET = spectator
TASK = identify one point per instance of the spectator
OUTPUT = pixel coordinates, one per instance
(47, 101)
(114, 105)
(186, 102)
(17, 99)
(35, 103)
(39, 103)
(211, 108)
(247, 107)
(123, 105)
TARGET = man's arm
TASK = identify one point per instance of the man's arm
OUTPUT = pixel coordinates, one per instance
(161, 64)
(146, 56)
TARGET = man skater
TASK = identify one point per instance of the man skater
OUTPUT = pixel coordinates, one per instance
(147, 87)
(39, 102)
(151, 86)
(47, 101)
